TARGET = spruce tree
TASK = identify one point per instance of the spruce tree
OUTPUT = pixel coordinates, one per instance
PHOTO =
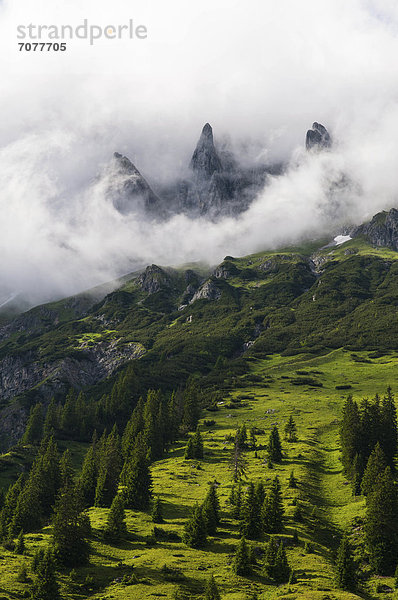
(270, 564)
(388, 429)
(236, 500)
(374, 469)
(211, 590)
(108, 470)
(51, 422)
(157, 511)
(71, 528)
(291, 430)
(66, 468)
(197, 444)
(274, 446)
(115, 527)
(250, 525)
(350, 434)
(345, 567)
(357, 474)
(238, 463)
(282, 568)
(20, 543)
(134, 426)
(192, 409)
(34, 428)
(189, 449)
(45, 585)
(381, 533)
(272, 511)
(241, 437)
(136, 479)
(241, 563)
(87, 482)
(10, 503)
(195, 529)
(211, 510)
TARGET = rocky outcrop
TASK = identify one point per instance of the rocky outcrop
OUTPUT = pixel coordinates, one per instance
(128, 189)
(154, 279)
(226, 270)
(382, 230)
(318, 138)
(205, 160)
(208, 291)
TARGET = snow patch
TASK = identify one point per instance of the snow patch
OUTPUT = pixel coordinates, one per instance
(341, 239)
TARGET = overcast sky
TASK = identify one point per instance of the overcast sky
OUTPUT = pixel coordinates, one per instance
(260, 71)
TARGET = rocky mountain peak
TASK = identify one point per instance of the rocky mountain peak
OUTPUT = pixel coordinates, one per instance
(382, 230)
(154, 279)
(205, 160)
(128, 188)
(318, 137)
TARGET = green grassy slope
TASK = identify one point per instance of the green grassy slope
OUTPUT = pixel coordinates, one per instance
(266, 395)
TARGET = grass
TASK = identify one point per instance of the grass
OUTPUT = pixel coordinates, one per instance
(328, 505)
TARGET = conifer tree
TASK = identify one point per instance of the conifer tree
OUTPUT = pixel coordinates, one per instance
(345, 567)
(108, 470)
(274, 445)
(238, 462)
(157, 511)
(189, 449)
(282, 568)
(250, 525)
(45, 585)
(236, 500)
(51, 422)
(136, 479)
(211, 590)
(292, 480)
(350, 434)
(374, 469)
(271, 552)
(134, 426)
(20, 543)
(70, 419)
(381, 534)
(192, 410)
(195, 529)
(291, 430)
(211, 510)
(272, 511)
(357, 474)
(34, 428)
(10, 503)
(197, 444)
(66, 468)
(88, 478)
(71, 528)
(241, 437)
(388, 429)
(115, 527)
(253, 439)
(241, 564)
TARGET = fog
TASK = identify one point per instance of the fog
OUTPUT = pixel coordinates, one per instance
(260, 72)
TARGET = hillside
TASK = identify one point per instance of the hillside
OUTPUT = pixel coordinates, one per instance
(254, 341)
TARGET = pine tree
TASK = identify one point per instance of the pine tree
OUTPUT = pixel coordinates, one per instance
(272, 511)
(115, 527)
(374, 469)
(133, 428)
(274, 445)
(253, 439)
(241, 437)
(250, 525)
(211, 590)
(350, 434)
(241, 564)
(388, 430)
(211, 510)
(291, 430)
(34, 428)
(87, 482)
(51, 423)
(20, 543)
(195, 529)
(66, 468)
(10, 503)
(70, 419)
(270, 565)
(292, 480)
(197, 444)
(236, 500)
(345, 567)
(282, 568)
(381, 532)
(157, 511)
(108, 470)
(238, 462)
(45, 585)
(71, 528)
(189, 449)
(136, 479)
(357, 474)
(192, 410)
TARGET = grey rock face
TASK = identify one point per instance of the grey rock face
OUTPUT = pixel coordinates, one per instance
(205, 160)
(382, 230)
(128, 189)
(318, 137)
(154, 279)
(207, 291)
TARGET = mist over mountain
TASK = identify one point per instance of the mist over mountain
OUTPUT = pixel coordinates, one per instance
(74, 215)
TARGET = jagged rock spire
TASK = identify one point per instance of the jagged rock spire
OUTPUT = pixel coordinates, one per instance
(205, 160)
(130, 186)
(318, 137)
